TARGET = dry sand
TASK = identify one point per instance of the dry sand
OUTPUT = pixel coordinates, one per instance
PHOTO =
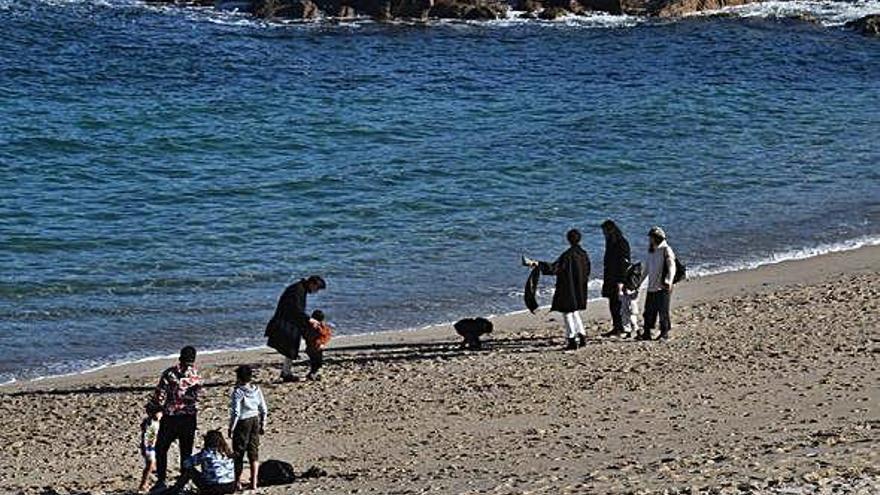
(770, 384)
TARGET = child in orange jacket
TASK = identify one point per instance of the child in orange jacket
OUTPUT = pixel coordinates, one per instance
(317, 338)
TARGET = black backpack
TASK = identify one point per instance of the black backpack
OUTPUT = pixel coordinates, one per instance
(680, 271)
(274, 472)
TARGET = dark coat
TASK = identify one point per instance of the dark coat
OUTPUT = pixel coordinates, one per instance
(572, 271)
(290, 320)
(616, 261)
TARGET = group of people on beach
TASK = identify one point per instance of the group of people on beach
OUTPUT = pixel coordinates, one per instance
(621, 281)
(218, 468)
(172, 409)
(172, 417)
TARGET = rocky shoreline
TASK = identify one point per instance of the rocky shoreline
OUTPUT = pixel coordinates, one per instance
(482, 10)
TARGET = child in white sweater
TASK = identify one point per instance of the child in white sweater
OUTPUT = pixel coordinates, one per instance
(247, 421)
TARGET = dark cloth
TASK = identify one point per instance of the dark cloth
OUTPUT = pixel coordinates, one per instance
(657, 304)
(316, 359)
(530, 294)
(292, 305)
(173, 428)
(614, 307)
(286, 328)
(572, 271)
(285, 338)
(616, 262)
(246, 440)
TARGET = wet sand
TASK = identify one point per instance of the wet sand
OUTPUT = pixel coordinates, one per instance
(770, 383)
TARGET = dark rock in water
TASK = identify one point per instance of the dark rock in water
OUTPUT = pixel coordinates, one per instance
(469, 9)
(552, 13)
(286, 9)
(868, 25)
(573, 6)
(346, 12)
(678, 8)
(384, 10)
(530, 6)
(611, 6)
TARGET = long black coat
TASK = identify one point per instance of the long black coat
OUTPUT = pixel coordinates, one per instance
(290, 320)
(616, 261)
(572, 271)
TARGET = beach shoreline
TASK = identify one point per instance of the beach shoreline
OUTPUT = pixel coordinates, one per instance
(702, 288)
(710, 277)
(769, 379)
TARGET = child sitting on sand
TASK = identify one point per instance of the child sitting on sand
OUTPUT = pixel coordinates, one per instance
(247, 421)
(317, 338)
(149, 434)
(216, 476)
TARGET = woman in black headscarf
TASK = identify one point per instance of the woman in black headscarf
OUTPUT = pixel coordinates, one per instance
(616, 261)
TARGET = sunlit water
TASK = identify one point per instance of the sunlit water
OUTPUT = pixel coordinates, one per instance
(166, 172)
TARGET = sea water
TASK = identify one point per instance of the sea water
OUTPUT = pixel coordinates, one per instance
(165, 172)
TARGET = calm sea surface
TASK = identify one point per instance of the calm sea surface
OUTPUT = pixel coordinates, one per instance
(164, 173)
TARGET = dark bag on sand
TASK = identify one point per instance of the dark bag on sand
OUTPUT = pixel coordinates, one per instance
(274, 472)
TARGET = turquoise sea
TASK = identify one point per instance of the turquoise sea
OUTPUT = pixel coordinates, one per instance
(165, 172)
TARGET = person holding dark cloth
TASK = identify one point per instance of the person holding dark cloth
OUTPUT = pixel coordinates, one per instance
(660, 272)
(178, 395)
(616, 262)
(572, 271)
(290, 321)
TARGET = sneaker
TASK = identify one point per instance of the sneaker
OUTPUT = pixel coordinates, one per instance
(663, 336)
(289, 378)
(571, 346)
(582, 340)
(615, 332)
(315, 377)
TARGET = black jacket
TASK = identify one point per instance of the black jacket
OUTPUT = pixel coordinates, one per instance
(572, 271)
(292, 306)
(616, 263)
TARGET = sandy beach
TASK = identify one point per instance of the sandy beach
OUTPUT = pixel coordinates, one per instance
(770, 383)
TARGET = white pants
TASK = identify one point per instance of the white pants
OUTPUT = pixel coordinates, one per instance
(629, 312)
(573, 325)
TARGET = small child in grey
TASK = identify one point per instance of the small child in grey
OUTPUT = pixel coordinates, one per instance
(629, 301)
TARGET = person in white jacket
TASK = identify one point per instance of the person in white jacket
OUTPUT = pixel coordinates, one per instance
(247, 422)
(660, 272)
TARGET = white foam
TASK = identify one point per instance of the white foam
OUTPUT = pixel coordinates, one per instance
(827, 12)
(787, 255)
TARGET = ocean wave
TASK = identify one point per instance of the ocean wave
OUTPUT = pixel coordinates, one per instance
(829, 13)
(782, 256)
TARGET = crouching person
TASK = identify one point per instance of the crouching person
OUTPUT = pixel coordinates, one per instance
(247, 422)
(211, 470)
(471, 329)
